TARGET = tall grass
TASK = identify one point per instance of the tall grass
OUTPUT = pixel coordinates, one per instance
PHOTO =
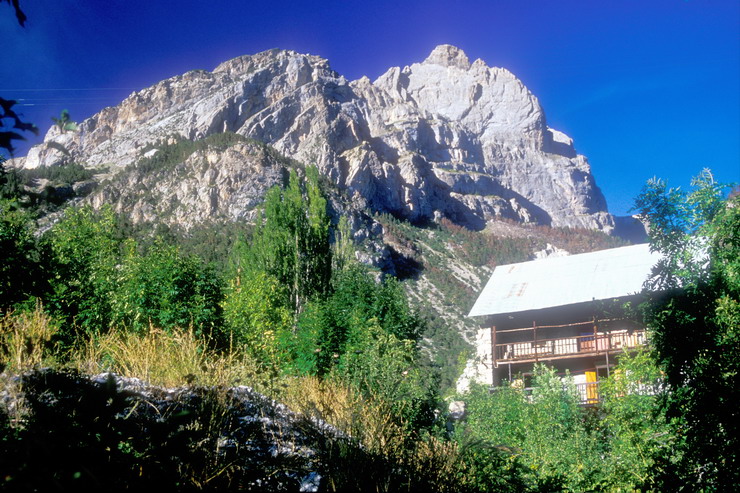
(26, 340)
(170, 359)
(368, 420)
(378, 453)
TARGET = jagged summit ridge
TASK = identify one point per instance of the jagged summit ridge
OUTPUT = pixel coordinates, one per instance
(440, 138)
(448, 56)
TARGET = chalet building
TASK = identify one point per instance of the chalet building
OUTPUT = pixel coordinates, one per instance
(566, 312)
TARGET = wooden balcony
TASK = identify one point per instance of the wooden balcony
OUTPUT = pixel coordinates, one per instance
(552, 348)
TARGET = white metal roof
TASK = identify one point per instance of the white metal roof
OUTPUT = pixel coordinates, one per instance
(559, 281)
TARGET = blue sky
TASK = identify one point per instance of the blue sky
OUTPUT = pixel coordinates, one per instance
(645, 88)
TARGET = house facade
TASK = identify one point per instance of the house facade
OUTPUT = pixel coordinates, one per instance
(567, 312)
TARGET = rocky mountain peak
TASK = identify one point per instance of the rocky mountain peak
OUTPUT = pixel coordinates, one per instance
(448, 56)
(437, 139)
(288, 60)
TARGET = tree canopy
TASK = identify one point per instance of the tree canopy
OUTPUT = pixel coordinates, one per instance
(694, 314)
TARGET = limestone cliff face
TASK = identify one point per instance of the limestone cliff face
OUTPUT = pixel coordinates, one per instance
(440, 138)
(209, 185)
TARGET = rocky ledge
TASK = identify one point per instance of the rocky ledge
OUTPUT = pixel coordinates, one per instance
(111, 432)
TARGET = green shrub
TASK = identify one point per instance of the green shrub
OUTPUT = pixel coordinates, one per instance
(165, 289)
(256, 317)
(22, 257)
(85, 247)
(546, 429)
(65, 174)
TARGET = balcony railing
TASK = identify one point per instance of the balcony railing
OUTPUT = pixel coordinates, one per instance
(556, 348)
(588, 393)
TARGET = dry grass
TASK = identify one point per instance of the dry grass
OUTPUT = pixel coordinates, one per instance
(435, 463)
(177, 358)
(381, 446)
(169, 359)
(25, 340)
(25, 344)
(367, 420)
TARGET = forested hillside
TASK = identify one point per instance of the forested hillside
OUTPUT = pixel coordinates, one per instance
(285, 307)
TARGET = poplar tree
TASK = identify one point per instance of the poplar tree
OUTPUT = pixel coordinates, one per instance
(291, 240)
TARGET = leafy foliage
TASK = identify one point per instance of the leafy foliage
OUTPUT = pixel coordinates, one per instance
(256, 317)
(695, 319)
(291, 240)
(8, 113)
(343, 317)
(85, 250)
(635, 427)
(10, 184)
(545, 430)
(64, 123)
(22, 259)
(382, 366)
(165, 289)
(100, 280)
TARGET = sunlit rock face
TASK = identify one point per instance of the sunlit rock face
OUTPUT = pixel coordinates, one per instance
(440, 138)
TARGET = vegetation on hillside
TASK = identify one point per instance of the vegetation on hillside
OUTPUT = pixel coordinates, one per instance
(297, 318)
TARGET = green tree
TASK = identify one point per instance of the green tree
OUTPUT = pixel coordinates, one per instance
(343, 252)
(695, 319)
(22, 272)
(168, 290)
(64, 123)
(383, 367)
(256, 317)
(636, 428)
(85, 250)
(344, 315)
(10, 187)
(291, 240)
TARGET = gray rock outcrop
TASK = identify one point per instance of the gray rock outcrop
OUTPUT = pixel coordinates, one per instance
(440, 138)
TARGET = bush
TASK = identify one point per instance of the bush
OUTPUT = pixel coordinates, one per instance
(381, 366)
(22, 258)
(85, 248)
(167, 290)
(256, 318)
(547, 430)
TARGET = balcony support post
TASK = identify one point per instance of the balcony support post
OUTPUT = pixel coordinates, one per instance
(596, 340)
(494, 360)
